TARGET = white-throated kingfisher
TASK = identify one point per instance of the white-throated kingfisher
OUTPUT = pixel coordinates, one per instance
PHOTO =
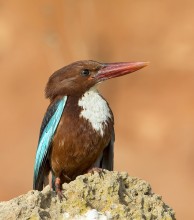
(77, 133)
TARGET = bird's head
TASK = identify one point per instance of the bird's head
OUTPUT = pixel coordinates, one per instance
(78, 77)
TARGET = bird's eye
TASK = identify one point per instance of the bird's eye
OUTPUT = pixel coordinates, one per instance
(85, 72)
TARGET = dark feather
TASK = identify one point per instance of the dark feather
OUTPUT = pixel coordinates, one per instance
(49, 113)
(106, 158)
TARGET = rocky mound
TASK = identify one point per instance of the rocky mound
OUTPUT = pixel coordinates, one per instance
(108, 195)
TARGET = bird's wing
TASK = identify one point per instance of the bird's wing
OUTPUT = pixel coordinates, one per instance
(106, 158)
(47, 131)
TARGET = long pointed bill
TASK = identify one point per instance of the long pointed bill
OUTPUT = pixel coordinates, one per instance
(112, 70)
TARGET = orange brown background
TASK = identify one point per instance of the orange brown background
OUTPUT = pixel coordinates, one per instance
(153, 108)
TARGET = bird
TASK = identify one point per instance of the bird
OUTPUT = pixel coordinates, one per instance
(77, 132)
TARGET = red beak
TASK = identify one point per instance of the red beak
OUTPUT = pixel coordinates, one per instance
(112, 70)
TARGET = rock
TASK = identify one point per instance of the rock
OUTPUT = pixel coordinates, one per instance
(107, 195)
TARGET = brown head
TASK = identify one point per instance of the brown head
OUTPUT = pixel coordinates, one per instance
(78, 77)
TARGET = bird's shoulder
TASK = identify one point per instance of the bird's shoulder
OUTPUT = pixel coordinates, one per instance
(48, 115)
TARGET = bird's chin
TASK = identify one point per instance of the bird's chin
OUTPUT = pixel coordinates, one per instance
(113, 70)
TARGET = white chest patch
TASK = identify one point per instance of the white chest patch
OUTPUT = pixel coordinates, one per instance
(95, 109)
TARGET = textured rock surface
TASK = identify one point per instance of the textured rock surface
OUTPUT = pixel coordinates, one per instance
(110, 195)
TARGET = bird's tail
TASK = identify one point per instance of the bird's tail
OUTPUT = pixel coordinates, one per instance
(53, 182)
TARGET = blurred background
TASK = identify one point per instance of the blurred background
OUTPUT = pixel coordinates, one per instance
(153, 108)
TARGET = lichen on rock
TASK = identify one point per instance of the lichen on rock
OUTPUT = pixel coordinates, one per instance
(105, 195)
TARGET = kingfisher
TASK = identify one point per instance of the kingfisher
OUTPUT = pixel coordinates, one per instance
(77, 131)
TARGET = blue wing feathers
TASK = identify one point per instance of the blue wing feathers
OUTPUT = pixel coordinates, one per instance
(49, 113)
(47, 131)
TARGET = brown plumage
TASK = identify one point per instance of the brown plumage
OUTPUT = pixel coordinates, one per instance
(77, 132)
(80, 147)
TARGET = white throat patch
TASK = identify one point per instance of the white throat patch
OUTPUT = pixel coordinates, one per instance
(95, 109)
